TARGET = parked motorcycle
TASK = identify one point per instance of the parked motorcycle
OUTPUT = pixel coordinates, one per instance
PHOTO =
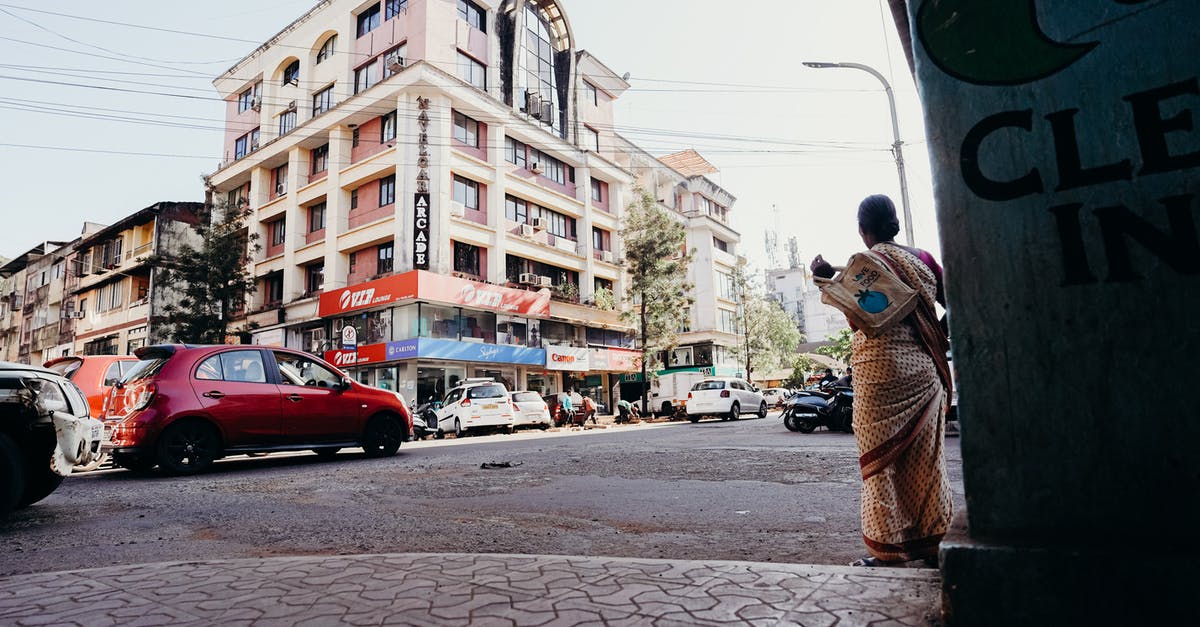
(810, 409)
(425, 420)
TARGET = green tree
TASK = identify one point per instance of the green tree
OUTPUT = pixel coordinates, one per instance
(769, 335)
(659, 294)
(207, 284)
(840, 348)
(802, 366)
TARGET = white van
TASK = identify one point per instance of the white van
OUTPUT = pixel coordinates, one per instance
(671, 390)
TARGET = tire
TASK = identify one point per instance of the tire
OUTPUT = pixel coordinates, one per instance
(848, 424)
(440, 435)
(40, 481)
(693, 418)
(187, 447)
(762, 410)
(132, 463)
(459, 432)
(789, 421)
(326, 453)
(12, 474)
(806, 426)
(382, 436)
(735, 412)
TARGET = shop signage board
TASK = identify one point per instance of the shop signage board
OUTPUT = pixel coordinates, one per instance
(612, 360)
(349, 338)
(568, 358)
(421, 231)
(422, 285)
(369, 354)
(430, 348)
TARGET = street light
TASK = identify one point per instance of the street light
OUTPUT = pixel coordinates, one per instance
(896, 146)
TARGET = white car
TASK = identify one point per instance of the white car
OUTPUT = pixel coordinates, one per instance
(775, 396)
(475, 404)
(531, 410)
(726, 397)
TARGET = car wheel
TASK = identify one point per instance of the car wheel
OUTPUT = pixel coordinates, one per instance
(40, 481)
(187, 447)
(694, 418)
(382, 436)
(326, 453)
(12, 474)
(735, 412)
(762, 410)
(459, 432)
(132, 463)
(440, 435)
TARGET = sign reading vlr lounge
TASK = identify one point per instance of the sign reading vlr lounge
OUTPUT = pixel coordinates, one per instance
(423, 285)
(421, 232)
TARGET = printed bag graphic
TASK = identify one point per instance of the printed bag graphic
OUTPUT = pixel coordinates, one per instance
(869, 293)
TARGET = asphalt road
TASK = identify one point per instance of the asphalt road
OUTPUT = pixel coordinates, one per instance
(746, 490)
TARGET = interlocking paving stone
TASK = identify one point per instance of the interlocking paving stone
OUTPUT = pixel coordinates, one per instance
(482, 589)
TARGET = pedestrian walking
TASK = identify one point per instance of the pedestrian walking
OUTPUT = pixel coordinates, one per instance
(589, 409)
(901, 394)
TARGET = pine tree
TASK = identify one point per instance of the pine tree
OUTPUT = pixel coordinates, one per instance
(206, 285)
(659, 294)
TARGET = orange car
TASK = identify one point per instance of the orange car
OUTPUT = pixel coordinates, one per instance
(94, 374)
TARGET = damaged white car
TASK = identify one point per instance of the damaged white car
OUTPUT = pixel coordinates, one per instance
(45, 431)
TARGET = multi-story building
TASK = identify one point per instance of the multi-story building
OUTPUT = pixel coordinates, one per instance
(438, 186)
(30, 302)
(795, 291)
(115, 290)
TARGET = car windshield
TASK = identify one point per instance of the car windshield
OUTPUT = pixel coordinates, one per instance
(522, 397)
(67, 368)
(486, 391)
(709, 385)
(145, 369)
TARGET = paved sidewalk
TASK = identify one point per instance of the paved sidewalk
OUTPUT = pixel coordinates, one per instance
(476, 589)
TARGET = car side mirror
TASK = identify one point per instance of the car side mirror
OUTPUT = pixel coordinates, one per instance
(111, 381)
(345, 384)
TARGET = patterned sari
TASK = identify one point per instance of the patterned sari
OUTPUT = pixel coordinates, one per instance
(901, 393)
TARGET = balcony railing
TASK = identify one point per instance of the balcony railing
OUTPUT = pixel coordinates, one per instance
(144, 249)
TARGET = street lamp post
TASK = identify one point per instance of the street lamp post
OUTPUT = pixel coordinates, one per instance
(896, 145)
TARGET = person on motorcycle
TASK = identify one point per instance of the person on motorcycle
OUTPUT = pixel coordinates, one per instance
(827, 379)
(845, 381)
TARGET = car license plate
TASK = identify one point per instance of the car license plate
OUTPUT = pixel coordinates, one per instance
(490, 406)
(97, 432)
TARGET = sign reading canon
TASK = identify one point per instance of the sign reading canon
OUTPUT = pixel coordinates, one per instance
(423, 285)
(568, 358)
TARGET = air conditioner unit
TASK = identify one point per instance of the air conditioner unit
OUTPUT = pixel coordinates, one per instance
(457, 209)
(291, 106)
(529, 278)
(254, 146)
(317, 341)
(256, 103)
(544, 281)
(78, 315)
(606, 256)
(539, 224)
(394, 63)
(527, 230)
(547, 113)
(533, 104)
(535, 168)
(280, 189)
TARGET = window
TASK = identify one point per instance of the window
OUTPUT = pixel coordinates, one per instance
(291, 74)
(556, 223)
(298, 370)
(368, 20)
(278, 232)
(316, 217)
(550, 167)
(274, 288)
(327, 49)
(314, 278)
(245, 144)
(589, 93)
(249, 98)
(725, 286)
(354, 136)
(728, 321)
(472, 71)
(597, 190)
(287, 122)
(466, 130)
(387, 190)
(721, 244)
(320, 159)
(516, 209)
(466, 192)
(243, 366)
(366, 76)
(539, 62)
(600, 239)
(385, 255)
(322, 101)
(592, 139)
(392, 8)
(354, 199)
(472, 14)
(279, 176)
(515, 151)
(394, 61)
(388, 128)
(466, 258)
(353, 262)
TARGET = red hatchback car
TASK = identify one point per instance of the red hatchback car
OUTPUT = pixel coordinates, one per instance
(181, 407)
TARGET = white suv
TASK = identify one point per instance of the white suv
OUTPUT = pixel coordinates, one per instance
(726, 397)
(474, 404)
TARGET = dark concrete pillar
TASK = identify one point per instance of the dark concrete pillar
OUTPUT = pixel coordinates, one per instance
(1065, 141)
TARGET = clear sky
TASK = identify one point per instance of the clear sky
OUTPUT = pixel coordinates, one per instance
(99, 119)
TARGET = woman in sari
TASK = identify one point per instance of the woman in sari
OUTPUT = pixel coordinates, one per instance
(901, 392)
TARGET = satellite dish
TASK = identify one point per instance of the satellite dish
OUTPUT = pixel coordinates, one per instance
(625, 77)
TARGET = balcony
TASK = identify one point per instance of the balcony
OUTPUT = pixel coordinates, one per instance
(145, 250)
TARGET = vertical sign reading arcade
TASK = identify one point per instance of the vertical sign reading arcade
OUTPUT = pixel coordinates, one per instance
(421, 198)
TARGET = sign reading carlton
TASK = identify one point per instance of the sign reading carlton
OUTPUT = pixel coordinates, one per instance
(421, 285)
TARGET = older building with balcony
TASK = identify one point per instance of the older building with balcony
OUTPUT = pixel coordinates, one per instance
(117, 294)
(33, 319)
(443, 179)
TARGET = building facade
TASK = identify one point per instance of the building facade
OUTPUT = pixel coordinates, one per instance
(32, 320)
(114, 288)
(442, 178)
(795, 291)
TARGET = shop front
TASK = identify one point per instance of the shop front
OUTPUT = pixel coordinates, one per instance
(590, 371)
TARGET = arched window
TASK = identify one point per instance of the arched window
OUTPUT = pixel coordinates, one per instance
(326, 50)
(291, 74)
(539, 65)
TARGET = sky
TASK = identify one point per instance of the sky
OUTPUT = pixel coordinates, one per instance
(99, 118)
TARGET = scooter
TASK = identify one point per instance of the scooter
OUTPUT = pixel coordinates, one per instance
(810, 409)
(425, 420)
